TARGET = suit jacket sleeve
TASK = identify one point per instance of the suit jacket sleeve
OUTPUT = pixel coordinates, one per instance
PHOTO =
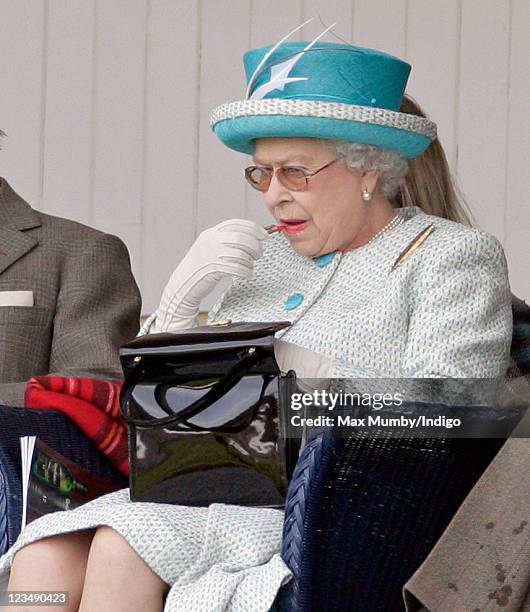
(482, 560)
(98, 310)
(461, 321)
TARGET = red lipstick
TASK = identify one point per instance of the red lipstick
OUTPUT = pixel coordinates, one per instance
(294, 226)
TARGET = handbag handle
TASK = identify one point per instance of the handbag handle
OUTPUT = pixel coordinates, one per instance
(222, 386)
(223, 428)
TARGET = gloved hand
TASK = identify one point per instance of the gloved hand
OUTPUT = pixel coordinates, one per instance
(228, 249)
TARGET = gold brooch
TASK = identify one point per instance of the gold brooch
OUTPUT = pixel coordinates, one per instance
(413, 245)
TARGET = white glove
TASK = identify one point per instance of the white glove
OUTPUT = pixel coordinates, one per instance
(228, 249)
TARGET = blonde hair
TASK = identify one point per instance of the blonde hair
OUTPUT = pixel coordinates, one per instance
(429, 183)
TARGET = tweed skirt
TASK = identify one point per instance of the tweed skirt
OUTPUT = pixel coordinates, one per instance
(216, 558)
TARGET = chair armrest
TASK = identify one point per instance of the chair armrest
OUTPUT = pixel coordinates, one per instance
(313, 469)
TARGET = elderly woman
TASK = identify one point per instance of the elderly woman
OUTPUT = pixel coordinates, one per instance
(371, 292)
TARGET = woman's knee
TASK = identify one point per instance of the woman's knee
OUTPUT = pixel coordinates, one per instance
(114, 565)
(109, 545)
(56, 552)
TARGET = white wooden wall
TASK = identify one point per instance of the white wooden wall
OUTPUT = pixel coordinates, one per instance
(106, 103)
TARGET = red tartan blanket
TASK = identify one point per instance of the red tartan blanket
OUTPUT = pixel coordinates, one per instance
(93, 405)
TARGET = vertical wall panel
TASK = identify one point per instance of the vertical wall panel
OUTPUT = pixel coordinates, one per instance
(380, 24)
(272, 20)
(329, 11)
(225, 37)
(119, 119)
(22, 31)
(517, 213)
(68, 119)
(482, 110)
(432, 48)
(172, 108)
(106, 105)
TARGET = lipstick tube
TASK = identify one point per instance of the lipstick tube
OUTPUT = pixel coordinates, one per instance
(272, 229)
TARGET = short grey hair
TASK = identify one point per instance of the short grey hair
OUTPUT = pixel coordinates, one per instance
(391, 166)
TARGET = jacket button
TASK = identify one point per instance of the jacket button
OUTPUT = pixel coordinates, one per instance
(323, 260)
(293, 301)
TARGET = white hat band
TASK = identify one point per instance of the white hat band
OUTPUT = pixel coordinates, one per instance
(330, 110)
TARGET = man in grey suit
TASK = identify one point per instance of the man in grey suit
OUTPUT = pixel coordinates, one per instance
(68, 299)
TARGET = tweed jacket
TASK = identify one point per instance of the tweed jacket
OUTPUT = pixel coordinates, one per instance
(86, 303)
(445, 311)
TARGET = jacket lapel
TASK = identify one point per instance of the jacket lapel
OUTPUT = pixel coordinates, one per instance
(13, 245)
(16, 215)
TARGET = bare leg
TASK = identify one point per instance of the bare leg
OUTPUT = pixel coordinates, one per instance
(118, 579)
(56, 563)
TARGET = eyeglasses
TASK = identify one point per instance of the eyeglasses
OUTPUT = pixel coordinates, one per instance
(295, 179)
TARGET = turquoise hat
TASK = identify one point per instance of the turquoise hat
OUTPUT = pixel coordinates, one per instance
(333, 91)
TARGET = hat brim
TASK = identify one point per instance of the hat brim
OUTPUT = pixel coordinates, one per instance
(239, 133)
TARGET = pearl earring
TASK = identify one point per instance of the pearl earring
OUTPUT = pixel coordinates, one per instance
(367, 196)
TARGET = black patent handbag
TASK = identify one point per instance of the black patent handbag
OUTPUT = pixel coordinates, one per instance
(206, 410)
